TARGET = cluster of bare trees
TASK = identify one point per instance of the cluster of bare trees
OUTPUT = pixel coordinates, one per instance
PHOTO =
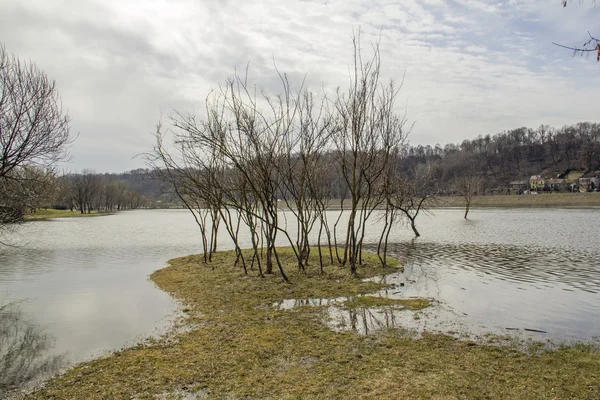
(88, 191)
(34, 133)
(256, 155)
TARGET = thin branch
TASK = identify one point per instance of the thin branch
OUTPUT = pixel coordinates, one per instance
(575, 49)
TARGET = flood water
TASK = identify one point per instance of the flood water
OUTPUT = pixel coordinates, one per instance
(83, 282)
(509, 269)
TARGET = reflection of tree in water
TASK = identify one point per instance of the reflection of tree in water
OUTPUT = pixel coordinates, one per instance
(364, 320)
(25, 351)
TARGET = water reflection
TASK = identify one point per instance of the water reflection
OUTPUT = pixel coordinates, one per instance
(366, 320)
(289, 304)
(438, 318)
(85, 280)
(502, 286)
(525, 291)
(26, 351)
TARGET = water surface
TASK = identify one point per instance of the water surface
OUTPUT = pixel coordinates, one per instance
(502, 271)
(84, 281)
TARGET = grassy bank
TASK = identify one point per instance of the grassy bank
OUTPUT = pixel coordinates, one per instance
(238, 345)
(531, 200)
(52, 213)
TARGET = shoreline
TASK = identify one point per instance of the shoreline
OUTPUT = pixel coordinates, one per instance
(50, 213)
(239, 345)
(546, 200)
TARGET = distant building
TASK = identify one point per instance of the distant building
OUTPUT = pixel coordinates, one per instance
(557, 185)
(537, 183)
(518, 187)
(590, 182)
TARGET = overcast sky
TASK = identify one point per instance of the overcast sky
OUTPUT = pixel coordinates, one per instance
(472, 66)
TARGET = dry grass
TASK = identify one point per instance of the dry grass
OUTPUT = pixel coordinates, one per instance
(245, 348)
(539, 200)
(532, 200)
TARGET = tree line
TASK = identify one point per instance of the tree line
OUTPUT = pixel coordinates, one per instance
(88, 191)
(82, 192)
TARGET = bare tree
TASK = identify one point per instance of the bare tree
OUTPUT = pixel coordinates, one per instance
(34, 129)
(28, 188)
(86, 188)
(413, 192)
(467, 186)
(368, 132)
(591, 45)
(268, 148)
(301, 169)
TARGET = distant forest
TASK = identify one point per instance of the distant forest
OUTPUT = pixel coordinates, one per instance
(514, 155)
(497, 159)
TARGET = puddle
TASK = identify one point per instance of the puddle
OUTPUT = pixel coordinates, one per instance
(289, 304)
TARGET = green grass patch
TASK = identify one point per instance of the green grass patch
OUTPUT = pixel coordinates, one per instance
(380, 302)
(52, 213)
(242, 347)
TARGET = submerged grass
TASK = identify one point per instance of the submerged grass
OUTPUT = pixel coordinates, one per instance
(242, 347)
(377, 301)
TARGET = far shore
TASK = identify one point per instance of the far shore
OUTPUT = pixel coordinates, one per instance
(526, 200)
(50, 213)
(546, 200)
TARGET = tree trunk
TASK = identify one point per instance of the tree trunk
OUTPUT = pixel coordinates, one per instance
(414, 228)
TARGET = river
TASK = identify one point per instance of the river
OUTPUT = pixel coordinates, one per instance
(83, 282)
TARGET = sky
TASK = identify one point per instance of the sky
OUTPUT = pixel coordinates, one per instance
(470, 67)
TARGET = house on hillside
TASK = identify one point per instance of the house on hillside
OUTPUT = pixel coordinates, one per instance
(537, 183)
(590, 182)
(558, 185)
(517, 187)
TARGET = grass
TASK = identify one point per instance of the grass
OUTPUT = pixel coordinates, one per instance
(243, 347)
(539, 200)
(531, 200)
(52, 213)
(385, 302)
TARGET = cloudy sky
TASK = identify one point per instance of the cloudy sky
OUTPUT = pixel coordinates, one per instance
(471, 66)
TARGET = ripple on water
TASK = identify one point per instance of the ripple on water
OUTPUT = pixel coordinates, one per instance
(537, 292)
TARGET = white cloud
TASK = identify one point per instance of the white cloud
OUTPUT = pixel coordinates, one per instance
(472, 67)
